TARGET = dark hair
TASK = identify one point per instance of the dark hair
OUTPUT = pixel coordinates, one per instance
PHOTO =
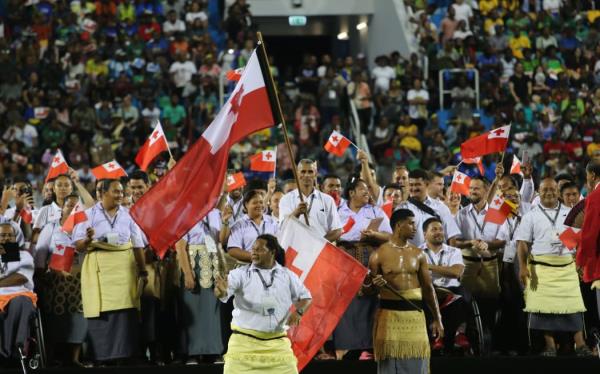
(568, 185)
(395, 186)
(329, 176)
(105, 184)
(249, 195)
(481, 179)
(512, 180)
(563, 176)
(256, 184)
(273, 245)
(593, 167)
(429, 221)
(399, 216)
(72, 195)
(140, 175)
(351, 186)
(419, 174)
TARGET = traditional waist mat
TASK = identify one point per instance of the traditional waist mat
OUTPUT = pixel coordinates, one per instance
(405, 305)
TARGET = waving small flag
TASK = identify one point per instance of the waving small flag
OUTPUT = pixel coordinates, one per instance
(349, 224)
(77, 216)
(491, 142)
(498, 210)
(337, 144)
(234, 75)
(570, 237)
(388, 208)
(475, 160)
(154, 146)
(263, 161)
(460, 183)
(235, 181)
(110, 170)
(58, 167)
(515, 168)
(62, 258)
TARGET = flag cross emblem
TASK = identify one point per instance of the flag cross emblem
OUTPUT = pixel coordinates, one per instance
(498, 132)
(268, 155)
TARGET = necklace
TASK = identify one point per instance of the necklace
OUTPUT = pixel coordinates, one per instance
(398, 246)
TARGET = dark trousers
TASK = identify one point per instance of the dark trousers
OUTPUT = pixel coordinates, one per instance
(14, 326)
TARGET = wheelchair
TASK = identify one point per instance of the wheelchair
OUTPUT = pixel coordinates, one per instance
(33, 354)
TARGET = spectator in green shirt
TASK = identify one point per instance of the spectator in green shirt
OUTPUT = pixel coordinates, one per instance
(174, 111)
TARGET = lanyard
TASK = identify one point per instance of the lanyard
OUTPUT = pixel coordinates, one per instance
(262, 229)
(479, 227)
(262, 280)
(312, 199)
(512, 229)
(439, 263)
(112, 224)
(552, 221)
(237, 212)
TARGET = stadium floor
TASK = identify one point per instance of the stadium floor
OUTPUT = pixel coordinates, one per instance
(504, 365)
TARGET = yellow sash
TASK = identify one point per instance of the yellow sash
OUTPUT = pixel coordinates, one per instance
(108, 279)
(553, 289)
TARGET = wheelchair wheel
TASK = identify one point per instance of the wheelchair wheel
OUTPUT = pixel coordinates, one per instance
(477, 333)
(34, 362)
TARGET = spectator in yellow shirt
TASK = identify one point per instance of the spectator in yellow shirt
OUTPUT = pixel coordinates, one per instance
(487, 6)
(593, 149)
(491, 22)
(518, 41)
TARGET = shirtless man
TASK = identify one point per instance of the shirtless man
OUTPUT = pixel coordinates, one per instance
(400, 274)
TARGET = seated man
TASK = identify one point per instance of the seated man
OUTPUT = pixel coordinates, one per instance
(446, 266)
(17, 299)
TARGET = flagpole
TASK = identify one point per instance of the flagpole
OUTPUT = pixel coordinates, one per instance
(262, 50)
(275, 166)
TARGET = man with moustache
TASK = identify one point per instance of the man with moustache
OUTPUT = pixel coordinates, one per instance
(424, 207)
(400, 274)
(317, 206)
(332, 186)
(570, 194)
(547, 271)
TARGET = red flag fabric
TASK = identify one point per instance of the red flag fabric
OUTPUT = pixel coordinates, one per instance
(62, 258)
(154, 146)
(337, 144)
(41, 112)
(498, 211)
(192, 188)
(460, 183)
(235, 181)
(110, 170)
(77, 216)
(476, 160)
(59, 166)
(570, 237)
(388, 208)
(333, 278)
(234, 75)
(26, 215)
(263, 161)
(491, 142)
(588, 256)
(515, 168)
(349, 224)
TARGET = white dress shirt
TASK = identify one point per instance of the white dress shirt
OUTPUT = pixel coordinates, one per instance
(322, 212)
(261, 304)
(447, 256)
(362, 219)
(121, 223)
(23, 267)
(472, 225)
(538, 229)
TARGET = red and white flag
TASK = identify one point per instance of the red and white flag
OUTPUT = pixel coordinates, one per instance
(331, 275)
(263, 161)
(41, 112)
(491, 142)
(337, 144)
(515, 168)
(570, 237)
(26, 215)
(234, 75)
(235, 181)
(388, 208)
(498, 210)
(58, 166)
(460, 183)
(110, 170)
(349, 225)
(154, 146)
(62, 258)
(77, 216)
(476, 160)
(191, 189)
